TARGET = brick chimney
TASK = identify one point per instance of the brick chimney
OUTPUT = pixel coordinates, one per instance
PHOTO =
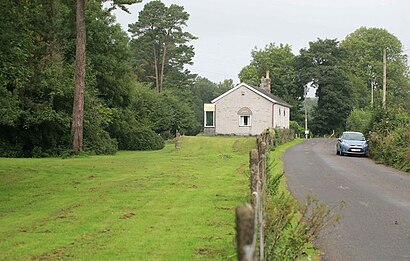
(266, 82)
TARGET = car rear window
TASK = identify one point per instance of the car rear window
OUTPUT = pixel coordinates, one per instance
(353, 136)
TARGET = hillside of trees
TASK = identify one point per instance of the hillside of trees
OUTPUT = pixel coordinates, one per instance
(138, 92)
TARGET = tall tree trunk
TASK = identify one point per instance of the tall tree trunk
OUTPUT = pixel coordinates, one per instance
(164, 55)
(78, 105)
(156, 70)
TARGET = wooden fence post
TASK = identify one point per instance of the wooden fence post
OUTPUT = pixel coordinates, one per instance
(245, 231)
(262, 198)
(258, 143)
(254, 160)
(178, 141)
(258, 185)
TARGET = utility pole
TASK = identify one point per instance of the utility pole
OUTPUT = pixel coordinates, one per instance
(306, 120)
(384, 78)
(372, 83)
(372, 99)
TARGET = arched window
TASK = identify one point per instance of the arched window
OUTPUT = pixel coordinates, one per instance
(245, 117)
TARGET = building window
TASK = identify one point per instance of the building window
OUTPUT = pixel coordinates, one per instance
(279, 111)
(245, 120)
(244, 117)
(209, 119)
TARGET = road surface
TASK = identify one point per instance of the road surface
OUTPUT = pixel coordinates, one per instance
(375, 223)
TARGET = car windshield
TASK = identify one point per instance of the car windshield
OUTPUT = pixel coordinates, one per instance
(353, 136)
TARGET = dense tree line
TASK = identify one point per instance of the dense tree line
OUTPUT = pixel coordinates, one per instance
(137, 90)
(37, 60)
(342, 73)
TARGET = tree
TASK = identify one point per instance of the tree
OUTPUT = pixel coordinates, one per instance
(16, 48)
(320, 65)
(164, 112)
(359, 120)
(334, 103)
(80, 69)
(78, 105)
(251, 74)
(280, 62)
(224, 86)
(363, 60)
(35, 81)
(160, 43)
(108, 57)
(311, 63)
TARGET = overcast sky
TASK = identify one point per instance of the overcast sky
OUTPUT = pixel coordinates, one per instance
(228, 30)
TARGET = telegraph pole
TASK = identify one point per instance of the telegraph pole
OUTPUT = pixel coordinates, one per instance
(306, 120)
(384, 78)
(372, 99)
(372, 84)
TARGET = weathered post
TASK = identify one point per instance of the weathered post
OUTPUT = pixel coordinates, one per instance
(253, 165)
(262, 198)
(262, 151)
(269, 138)
(266, 137)
(245, 231)
(258, 143)
(178, 141)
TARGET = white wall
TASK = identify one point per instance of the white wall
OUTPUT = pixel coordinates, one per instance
(281, 120)
(227, 118)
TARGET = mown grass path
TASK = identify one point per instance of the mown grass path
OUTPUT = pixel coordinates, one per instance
(155, 205)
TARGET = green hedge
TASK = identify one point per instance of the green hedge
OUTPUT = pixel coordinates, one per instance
(142, 138)
(389, 140)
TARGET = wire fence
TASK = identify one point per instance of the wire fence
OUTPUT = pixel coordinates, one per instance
(251, 218)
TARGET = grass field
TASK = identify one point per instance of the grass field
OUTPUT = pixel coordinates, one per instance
(155, 205)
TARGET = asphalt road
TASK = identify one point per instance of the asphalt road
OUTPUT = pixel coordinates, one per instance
(375, 223)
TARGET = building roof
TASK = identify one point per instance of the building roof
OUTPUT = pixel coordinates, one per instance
(274, 97)
(267, 95)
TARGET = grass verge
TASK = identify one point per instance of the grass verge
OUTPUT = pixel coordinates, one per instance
(287, 234)
(153, 205)
(275, 158)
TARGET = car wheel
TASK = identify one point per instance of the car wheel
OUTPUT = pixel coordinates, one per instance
(337, 152)
(341, 153)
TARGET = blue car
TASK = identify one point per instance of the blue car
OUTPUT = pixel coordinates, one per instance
(352, 143)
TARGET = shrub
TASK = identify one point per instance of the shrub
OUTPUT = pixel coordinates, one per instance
(10, 149)
(359, 120)
(299, 130)
(164, 112)
(290, 229)
(143, 138)
(100, 142)
(167, 135)
(283, 135)
(389, 140)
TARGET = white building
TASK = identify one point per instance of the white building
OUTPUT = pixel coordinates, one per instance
(246, 110)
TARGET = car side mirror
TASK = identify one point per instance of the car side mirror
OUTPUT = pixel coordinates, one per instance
(339, 139)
